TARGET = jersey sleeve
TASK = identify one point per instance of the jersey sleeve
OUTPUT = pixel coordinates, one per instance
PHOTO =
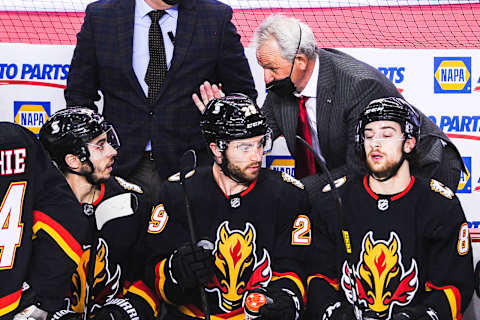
(293, 237)
(323, 281)
(449, 285)
(59, 230)
(165, 232)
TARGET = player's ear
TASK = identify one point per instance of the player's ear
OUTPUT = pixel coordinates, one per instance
(72, 161)
(409, 144)
(215, 151)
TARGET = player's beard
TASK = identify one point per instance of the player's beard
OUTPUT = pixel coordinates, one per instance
(385, 170)
(93, 177)
(240, 173)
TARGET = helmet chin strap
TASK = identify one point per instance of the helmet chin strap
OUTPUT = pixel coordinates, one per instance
(395, 169)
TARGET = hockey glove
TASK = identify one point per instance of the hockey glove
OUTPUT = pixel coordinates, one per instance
(118, 309)
(339, 311)
(282, 304)
(65, 315)
(31, 313)
(415, 313)
(191, 266)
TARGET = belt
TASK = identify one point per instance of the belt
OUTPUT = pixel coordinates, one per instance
(148, 155)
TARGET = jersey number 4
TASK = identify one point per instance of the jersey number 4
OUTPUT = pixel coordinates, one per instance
(11, 227)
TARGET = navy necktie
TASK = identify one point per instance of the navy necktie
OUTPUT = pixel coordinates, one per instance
(157, 66)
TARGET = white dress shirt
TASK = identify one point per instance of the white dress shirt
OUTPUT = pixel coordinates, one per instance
(141, 55)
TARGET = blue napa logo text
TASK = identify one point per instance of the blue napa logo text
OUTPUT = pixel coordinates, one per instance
(452, 74)
(37, 71)
(31, 114)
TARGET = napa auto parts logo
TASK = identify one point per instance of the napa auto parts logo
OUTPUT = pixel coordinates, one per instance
(395, 74)
(281, 163)
(452, 74)
(38, 74)
(466, 128)
(31, 114)
(465, 184)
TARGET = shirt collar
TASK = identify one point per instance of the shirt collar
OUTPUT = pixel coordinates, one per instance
(142, 9)
(310, 89)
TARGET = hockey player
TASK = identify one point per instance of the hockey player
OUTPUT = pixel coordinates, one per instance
(107, 283)
(400, 248)
(253, 224)
(41, 227)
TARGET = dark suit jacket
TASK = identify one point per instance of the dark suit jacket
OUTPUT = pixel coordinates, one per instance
(207, 47)
(345, 86)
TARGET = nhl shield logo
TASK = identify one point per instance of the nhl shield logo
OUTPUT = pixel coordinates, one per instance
(382, 204)
(235, 202)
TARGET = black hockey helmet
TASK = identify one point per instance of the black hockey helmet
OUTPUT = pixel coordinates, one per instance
(233, 117)
(392, 109)
(69, 130)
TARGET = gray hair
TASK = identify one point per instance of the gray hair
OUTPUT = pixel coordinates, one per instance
(286, 31)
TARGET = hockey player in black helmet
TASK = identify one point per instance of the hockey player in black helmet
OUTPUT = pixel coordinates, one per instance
(232, 118)
(405, 234)
(84, 147)
(389, 109)
(256, 220)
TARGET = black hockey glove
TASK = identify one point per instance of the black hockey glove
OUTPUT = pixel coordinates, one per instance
(339, 311)
(191, 266)
(477, 279)
(282, 304)
(415, 313)
(65, 315)
(118, 309)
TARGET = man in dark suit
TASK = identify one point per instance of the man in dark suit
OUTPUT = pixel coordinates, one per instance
(336, 88)
(112, 55)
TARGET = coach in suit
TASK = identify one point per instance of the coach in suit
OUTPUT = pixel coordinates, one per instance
(112, 56)
(336, 88)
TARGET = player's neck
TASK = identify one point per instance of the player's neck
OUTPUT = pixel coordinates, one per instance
(226, 184)
(83, 190)
(395, 184)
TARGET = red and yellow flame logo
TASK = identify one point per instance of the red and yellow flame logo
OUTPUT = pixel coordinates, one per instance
(104, 285)
(237, 268)
(379, 279)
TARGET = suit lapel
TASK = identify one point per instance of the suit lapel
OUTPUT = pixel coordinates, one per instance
(325, 102)
(187, 20)
(289, 116)
(125, 22)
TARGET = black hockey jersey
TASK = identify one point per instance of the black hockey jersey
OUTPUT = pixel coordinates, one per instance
(258, 236)
(120, 255)
(42, 225)
(407, 250)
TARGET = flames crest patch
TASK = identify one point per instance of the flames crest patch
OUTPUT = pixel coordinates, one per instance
(237, 268)
(380, 281)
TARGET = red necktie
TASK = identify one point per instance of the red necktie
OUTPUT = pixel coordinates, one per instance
(304, 159)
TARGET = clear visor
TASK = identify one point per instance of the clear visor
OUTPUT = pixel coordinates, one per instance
(107, 139)
(246, 146)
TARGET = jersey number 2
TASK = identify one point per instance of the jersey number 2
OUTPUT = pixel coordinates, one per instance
(11, 227)
(301, 235)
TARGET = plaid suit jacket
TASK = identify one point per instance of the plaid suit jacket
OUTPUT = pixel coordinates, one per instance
(207, 47)
(345, 86)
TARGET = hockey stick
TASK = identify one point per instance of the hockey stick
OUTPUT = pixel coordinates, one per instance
(188, 163)
(342, 227)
